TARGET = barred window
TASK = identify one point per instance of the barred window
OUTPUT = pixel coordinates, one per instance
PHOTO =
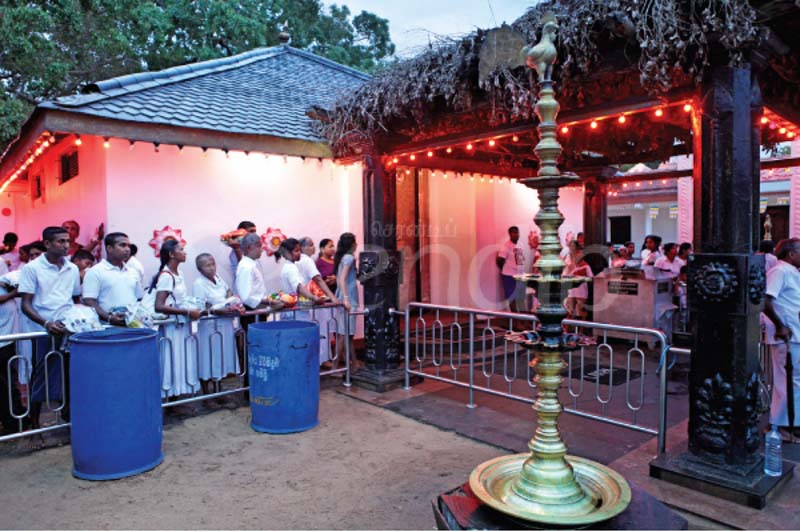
(36, 187)
(69, 166)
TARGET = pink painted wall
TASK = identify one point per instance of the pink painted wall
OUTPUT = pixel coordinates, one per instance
(209, 194)
(82, 198)
(469, 222)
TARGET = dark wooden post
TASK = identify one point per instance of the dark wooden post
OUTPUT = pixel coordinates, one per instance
(726, 290)
(379, 269)
(595, 211)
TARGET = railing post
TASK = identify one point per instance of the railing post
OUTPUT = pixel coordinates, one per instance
(471, 403)
(407, 348)
(346, 383)
(662, 398)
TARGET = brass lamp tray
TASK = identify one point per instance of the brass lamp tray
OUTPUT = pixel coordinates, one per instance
(491, 483)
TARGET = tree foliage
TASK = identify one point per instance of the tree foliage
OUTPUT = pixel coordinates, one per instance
(52, 47)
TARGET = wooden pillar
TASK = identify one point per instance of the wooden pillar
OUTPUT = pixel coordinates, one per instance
(726, 288)
(379, 268)
(595, 212)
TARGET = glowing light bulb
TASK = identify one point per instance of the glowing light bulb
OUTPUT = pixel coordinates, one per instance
(492, 142)
(515, 139)
(624, 185)
(687, 107)
(469, 146)
(593, 124)
(663, 181)
(638, 184)
(78, 141)
(764, 119)
(449, 150)
(394, 160)
(782, 130)
(430, 154)
(622, 119)
(659, 112)
(790, 134)
(106, 144)
(565, 130)
(412, 157)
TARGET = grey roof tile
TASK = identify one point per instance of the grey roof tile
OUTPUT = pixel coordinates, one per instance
(261, 92)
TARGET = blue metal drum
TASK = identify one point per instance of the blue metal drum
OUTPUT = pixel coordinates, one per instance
(283, 358)
(115, 403)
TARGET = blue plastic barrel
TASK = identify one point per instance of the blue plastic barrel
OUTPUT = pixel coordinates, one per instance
(283, 362)
(115, 403)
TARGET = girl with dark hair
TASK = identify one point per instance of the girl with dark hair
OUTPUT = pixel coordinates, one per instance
(171, 293)
(327, 250)
(347, 290)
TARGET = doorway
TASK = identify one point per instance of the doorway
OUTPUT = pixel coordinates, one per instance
(620, 229)
(779, 218)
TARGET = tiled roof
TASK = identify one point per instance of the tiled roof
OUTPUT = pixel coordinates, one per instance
(262, 92)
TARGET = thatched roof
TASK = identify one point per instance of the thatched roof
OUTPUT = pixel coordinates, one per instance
(609, 50)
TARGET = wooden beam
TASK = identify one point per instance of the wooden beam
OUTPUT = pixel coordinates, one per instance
(468, 167)
(639, 103)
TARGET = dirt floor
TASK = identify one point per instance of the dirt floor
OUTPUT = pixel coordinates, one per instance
(363, 467)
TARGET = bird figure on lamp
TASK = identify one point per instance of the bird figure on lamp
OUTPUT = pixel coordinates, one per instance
(542, 56)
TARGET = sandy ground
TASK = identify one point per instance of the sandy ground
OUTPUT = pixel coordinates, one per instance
(363, 467)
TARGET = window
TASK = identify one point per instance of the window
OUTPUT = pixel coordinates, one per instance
(36, 187)
(69, 166)
(620, 229)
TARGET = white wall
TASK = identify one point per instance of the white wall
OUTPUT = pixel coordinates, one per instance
(206, 195)
(469, 222)
(82, 198)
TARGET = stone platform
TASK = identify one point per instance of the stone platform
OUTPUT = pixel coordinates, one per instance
(459, 509)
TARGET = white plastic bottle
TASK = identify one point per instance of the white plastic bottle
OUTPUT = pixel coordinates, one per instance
(773, 458)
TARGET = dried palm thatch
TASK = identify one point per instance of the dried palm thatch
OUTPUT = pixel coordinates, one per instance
(666, 40)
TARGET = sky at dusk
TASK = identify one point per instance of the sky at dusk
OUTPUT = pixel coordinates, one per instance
(413, 22)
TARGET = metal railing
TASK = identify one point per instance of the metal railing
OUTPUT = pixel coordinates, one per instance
(435, 339)
(324, 315)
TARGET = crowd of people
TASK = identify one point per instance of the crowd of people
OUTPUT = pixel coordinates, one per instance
(780, 320)
(42, 279)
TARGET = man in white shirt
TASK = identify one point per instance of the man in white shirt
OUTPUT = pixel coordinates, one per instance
(783, 309)
(249, 284)
(511, 261)
(236, 248)
(135, 267)
(48, 284)
(109, 287)
(670, 261)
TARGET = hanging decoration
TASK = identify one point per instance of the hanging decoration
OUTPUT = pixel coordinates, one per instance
(272, 240)
(162, 235)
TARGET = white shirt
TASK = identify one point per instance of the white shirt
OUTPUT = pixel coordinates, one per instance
(136, 269)
(514, 258)
(653, 256)
(249, 282)
(308, 269)
(12, 260)
(174, 284)
(582, 291)
(663, 263)
(770, 261)
(53, 287)
(210, 292)
(290, 277)
(783, 284)
(111, 286)
(8, 318)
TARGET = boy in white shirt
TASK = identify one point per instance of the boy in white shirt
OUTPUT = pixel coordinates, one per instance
(47, 285)
(109, 287)
(511, 261)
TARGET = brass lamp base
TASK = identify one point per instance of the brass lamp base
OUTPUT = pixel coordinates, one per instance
(492, 482)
